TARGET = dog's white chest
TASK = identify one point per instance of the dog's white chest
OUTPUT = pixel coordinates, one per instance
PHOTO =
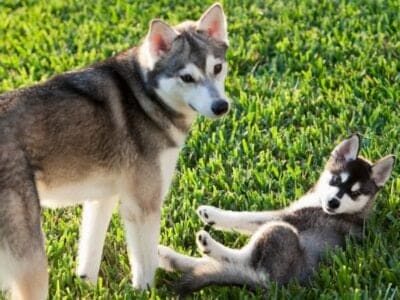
(95, 187)
(99, 187)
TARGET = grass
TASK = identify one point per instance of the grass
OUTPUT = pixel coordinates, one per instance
(303, 75)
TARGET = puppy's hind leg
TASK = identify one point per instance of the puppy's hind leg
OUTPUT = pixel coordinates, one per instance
(171, 260)
(276, 248)
(216, 250)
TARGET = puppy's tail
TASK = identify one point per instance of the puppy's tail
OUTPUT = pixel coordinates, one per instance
(220, 274)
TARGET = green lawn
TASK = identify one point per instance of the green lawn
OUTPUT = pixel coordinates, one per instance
(303, 75)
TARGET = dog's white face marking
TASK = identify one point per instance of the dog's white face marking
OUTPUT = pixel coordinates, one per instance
(171, 90)
(211, 64)
(193, 71)
(201, 93)
(199, 99)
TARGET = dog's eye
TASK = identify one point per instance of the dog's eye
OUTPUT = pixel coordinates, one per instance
(187, 78)
(335, 181)
(217, 69)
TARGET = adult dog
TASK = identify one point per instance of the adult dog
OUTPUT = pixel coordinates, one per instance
(110, 131)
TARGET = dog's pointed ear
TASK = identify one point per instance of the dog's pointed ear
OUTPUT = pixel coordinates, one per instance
(382, 169)
(348, 149)
(160, 38)
(213, 23)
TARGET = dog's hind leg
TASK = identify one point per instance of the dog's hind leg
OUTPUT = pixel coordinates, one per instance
(242, 221)
(95, 220)
(31, 280)
(23, 263)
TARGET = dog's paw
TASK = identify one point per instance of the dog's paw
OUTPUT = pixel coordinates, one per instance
(87, 278)
(204, 242)
(208, 214)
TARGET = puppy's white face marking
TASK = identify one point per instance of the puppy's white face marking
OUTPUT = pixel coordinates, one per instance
(355, 187)
(329, 187)
(344, 176)
(324, 190)
(348, 205)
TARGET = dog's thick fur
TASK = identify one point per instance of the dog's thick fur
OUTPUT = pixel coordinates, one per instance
(289, 243)
(109, 131)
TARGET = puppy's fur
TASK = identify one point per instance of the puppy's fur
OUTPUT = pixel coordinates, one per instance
(289, 243)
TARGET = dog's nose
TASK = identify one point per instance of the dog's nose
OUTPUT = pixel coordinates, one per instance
(334, 203)
(219, 107)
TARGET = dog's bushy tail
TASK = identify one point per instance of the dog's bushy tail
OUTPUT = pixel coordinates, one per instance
(221, 274)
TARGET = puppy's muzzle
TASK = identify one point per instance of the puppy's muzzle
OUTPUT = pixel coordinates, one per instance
(333, 203)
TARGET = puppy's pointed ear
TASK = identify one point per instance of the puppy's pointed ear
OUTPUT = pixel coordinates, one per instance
(213, 23)
(160, 38)
(382, 169)
(348, 149)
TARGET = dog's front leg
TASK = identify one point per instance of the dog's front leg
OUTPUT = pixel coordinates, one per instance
(95, 219)
(142, 227)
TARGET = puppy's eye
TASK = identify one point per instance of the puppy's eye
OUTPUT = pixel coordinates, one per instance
(355, 194)
(187, 78)
(335, 181)
(217, 69)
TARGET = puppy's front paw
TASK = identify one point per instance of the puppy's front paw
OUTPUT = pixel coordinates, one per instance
(208, 214)
(204, 240)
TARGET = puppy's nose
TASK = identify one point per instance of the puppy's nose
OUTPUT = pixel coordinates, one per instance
(333, 203)
(220, 107)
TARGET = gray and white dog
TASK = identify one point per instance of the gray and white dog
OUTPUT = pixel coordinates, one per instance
(110, 131)
(289, 243)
